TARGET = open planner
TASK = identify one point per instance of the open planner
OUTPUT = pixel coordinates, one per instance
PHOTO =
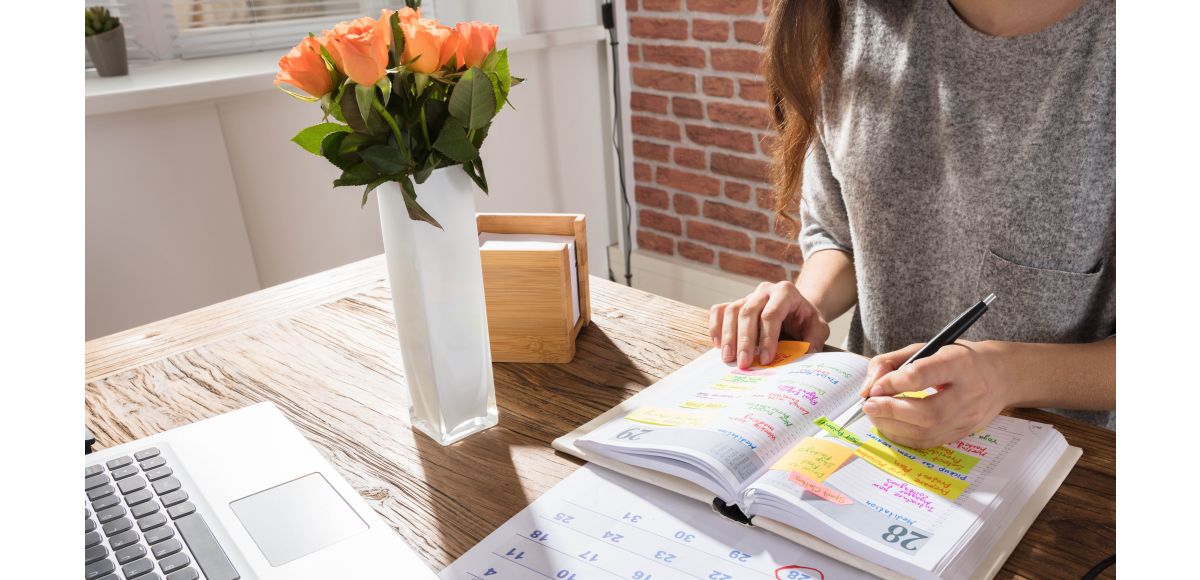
(766, 446)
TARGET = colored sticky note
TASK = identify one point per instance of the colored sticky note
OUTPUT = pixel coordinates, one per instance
(914, 394)
(789, 351)
(956, 461)
(814, 458)
(821, 491)
(702, 405)
(732, 387)
(836, 430)
(903, 468)
(669, 417)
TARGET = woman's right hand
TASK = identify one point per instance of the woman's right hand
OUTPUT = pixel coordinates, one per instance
(752, 325)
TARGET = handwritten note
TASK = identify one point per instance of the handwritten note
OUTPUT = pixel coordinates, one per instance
(903, 468)
(789, 350)
(836, 430)
(814, 458)
(819, 490)
(943, 456)
(669, 417)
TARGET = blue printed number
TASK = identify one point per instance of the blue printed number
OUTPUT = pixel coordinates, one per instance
(739, 556)
(565, 574)
(665, 556)
(613, 537)
(898, 531)
(490, 571)
(798, 575)
(515, 554)
(632, 517)
(563, 518)
(686, 537)
(639, 575)
(539, 535)
(589, 556)
(719, 575)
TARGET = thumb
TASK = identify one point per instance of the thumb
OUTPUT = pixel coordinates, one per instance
(885, 363)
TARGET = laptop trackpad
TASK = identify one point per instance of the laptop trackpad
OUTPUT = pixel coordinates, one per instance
(297, 518)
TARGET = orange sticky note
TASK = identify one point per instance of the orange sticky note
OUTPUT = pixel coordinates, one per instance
(814, 458)
(789, 351)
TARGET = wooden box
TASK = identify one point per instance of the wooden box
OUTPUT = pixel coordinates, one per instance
(530, 293)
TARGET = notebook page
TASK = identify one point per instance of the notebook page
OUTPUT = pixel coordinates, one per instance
(737, 421)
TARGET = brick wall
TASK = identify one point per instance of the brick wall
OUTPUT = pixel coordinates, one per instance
(701, 132)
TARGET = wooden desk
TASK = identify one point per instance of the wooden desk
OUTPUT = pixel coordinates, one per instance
(324, 350)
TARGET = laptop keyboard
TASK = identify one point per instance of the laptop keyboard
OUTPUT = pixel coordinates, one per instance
(139, 523)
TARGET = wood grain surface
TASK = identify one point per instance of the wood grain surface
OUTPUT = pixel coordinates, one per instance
(324, 350)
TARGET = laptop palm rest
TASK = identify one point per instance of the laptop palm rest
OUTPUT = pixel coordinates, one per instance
(297, 518)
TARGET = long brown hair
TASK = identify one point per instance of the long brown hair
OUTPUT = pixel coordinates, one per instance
(800, 37)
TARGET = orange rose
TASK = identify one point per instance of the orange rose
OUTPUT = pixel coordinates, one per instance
(304, 69)
(476, 41)
(428, 46)
(360, 49)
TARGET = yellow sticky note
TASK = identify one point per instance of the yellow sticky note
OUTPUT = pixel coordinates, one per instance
(702, 405)
(732, 387)
(789, 351)
(956, 461)
(913, 395)
(669, 417)
(814, 458)
(906, 469)
(837, 431)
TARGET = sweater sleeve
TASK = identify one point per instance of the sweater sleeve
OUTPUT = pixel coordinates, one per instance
(823, 221)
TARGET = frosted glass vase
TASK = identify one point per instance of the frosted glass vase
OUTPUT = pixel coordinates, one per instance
(441, 317)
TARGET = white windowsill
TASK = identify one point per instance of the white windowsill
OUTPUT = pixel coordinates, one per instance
(183, 81)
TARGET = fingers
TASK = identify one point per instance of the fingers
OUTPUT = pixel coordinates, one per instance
(771, 320)
(715, 314)
(885, 363)
(729, 331)
(747, 327)
(940, 368)
(816, 332)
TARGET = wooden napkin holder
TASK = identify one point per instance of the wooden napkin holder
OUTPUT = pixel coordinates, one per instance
(529, 293)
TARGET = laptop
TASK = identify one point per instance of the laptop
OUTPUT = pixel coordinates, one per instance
(239, 496)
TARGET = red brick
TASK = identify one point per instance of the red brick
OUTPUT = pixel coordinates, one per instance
(740, 115)
(643, 172)
(672, 28)
(724, 6)
(652, 197)
(687, 108)
(785, 228)
(688, 181)
(742, 218)
(648, 102)
(718, 87)
(694, 158)
(767, 144)
(631, 5)
(652, 127)
(724, 138)
(634, 53)
(648, 240)
(736, 191)
(696, 252)
(752, 267)
(661, 5)
(660, 221)
(748, 31)
(712, 30)
(718, 235)
(766, 200)
(779, 251)
(753, 90)
(675, 82)
(686, 204)
(739, 60)
(688, 56)
(745, 168)
(651, 151)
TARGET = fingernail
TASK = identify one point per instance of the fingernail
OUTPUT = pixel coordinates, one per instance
(743, 359)
(871, 407)
(727, 352)
(716, 342)
(764, 359)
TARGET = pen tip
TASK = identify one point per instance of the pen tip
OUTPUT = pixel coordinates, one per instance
(989, 299)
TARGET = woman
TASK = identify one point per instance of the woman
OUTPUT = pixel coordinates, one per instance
(947, 150)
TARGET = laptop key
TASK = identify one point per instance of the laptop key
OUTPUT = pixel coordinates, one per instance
(92, 539)
(131, 484)
(94, 554)
(93, 470)
(165, 549)
(173, 563)
(159, 534)
(122, 539)
(89, 525)
(146, 454)
(142, 510)
(180, 510)
(159, 473)
(110, 514)
(166, 485)
(99, 492)
(130, 553)
(95, 481)
(117, 526)
(119, 462)
(188, 573)
(153, 463)
(151, 521)
(138, 496)
(137, 568)
(208, 553)
(97, 569)
(178, 496)
(124, 472)
(105, 502)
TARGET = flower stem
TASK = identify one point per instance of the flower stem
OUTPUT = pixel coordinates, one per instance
(425, 128)
(391, 123)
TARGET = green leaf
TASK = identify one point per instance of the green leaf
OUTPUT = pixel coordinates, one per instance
(310, 138)
(415, 211)
(371, 187)
(360, 174)
(424, 171)
(397, 40)
(331, 149)
(385, 85)
(473, 101)
(350, 109)
(365, 96)
(470, 169)
(387, 160)
(355, 141)
(499, 75)
(452, 141)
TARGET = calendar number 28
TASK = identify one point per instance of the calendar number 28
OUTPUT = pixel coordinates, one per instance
(905, 537)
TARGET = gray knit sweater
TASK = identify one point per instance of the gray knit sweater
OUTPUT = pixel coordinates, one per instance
(952, 164)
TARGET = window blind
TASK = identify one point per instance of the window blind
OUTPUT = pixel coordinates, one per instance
(149, 29)
(214, 27)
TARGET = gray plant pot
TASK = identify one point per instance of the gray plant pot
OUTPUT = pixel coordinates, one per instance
(107, 51)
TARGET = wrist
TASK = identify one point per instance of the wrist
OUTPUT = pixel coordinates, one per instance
(998, 361)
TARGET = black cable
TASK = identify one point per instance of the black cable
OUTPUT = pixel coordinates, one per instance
(608, 15)
(1098, 568)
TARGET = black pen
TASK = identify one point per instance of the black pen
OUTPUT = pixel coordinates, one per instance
(948, 335)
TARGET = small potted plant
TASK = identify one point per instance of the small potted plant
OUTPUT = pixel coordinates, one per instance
(105, 41)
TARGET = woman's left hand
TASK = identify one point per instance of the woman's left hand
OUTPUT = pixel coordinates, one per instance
(968, 395)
